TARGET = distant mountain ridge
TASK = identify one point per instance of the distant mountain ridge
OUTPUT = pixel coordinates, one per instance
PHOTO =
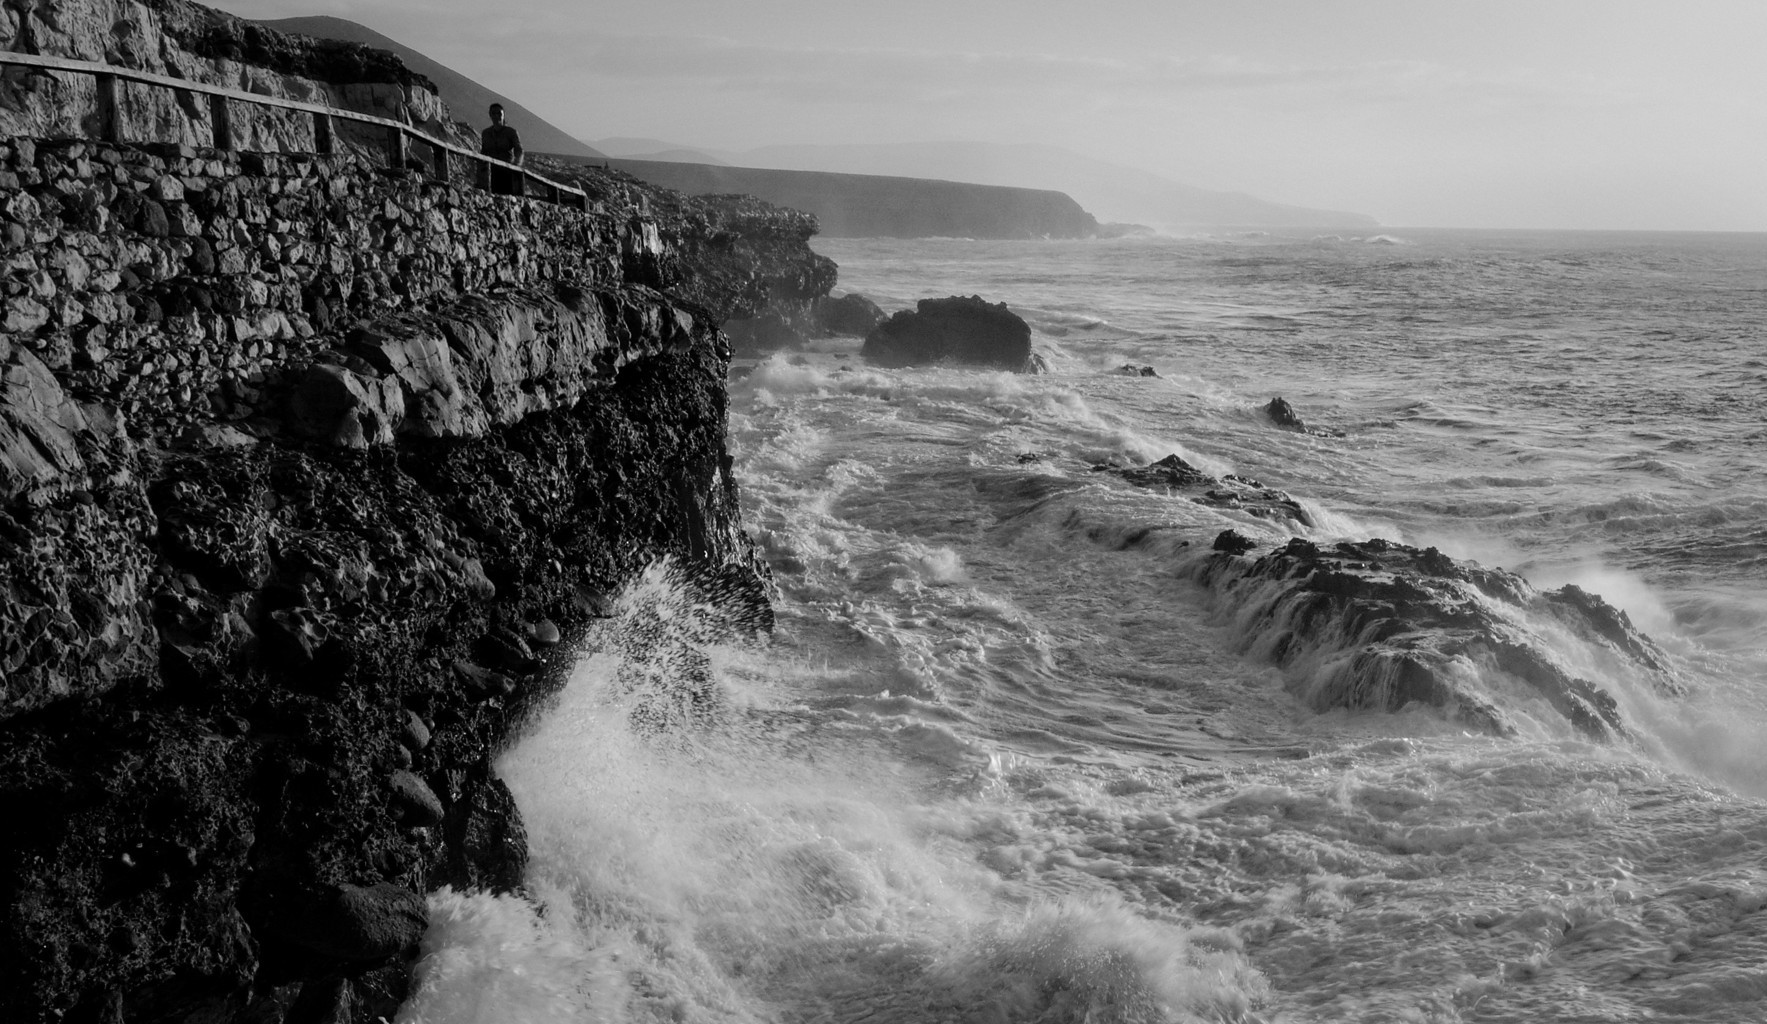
(883, 206)
(1113, 192)
(467, 100)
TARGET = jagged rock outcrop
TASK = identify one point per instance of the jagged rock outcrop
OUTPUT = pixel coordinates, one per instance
(305, 463)
(1233, 491)
(1284, 415)
(961, 330)
(1377, 625)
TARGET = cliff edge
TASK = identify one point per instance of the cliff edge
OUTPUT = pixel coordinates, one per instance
(307, 464)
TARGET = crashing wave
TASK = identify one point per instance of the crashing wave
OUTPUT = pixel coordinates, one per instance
(1378, 625)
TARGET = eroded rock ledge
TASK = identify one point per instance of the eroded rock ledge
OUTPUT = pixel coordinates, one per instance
(1378, 625)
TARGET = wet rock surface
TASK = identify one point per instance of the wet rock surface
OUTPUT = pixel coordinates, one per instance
(1378, 625)
(1239, 493)
(953, 330)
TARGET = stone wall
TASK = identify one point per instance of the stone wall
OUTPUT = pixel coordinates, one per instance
(169, 283)
(200, 44)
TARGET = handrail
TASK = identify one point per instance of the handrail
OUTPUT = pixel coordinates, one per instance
(110, 98)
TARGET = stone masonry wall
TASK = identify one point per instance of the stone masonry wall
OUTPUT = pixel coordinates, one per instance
(188, 41)
(167, 282)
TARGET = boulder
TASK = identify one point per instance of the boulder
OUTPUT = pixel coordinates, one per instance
(953, 330)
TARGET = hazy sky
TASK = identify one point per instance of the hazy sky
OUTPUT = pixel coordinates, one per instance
(1481, 113)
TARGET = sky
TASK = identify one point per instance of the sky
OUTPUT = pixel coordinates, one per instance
(1604, 114)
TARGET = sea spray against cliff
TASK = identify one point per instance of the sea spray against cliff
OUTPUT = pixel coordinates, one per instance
(758, 864)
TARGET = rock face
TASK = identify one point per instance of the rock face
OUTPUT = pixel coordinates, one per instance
(1378, 625)
(1239, 493)
(304, 462)
(748, 263)
(954, 330)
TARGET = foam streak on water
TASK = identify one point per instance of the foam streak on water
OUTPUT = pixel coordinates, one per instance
(1007, 760)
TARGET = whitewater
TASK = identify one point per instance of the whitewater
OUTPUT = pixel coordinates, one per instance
(1009, 756)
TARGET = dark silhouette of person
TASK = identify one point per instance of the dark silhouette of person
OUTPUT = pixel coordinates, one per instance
(502, 142)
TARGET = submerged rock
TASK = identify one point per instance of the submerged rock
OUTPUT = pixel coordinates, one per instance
(953, 330)
(1378, 625)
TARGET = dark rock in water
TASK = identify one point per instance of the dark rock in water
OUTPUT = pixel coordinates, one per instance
(954, 330)
(1380, 625)
(1233, 491)
(1133, 370)
(1283, 414)
(1171, 471)
(350, 923)
(852, 314)
(1233, 542)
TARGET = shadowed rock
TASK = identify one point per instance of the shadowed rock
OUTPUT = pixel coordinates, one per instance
(852, 314)
(953, 330)
(1378, 625)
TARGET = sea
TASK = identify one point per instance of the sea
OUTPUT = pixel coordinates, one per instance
(1007, 757)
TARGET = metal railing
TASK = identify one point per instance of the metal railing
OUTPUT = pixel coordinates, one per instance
(113, 94)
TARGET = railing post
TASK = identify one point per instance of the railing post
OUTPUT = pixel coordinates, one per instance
(221, 120)
(110, 108)
(322, 138)
(441, 155)
(396, 146)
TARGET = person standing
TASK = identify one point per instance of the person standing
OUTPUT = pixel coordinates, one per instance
(504, 143)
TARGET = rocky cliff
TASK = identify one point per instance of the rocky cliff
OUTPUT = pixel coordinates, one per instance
(306, 464)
